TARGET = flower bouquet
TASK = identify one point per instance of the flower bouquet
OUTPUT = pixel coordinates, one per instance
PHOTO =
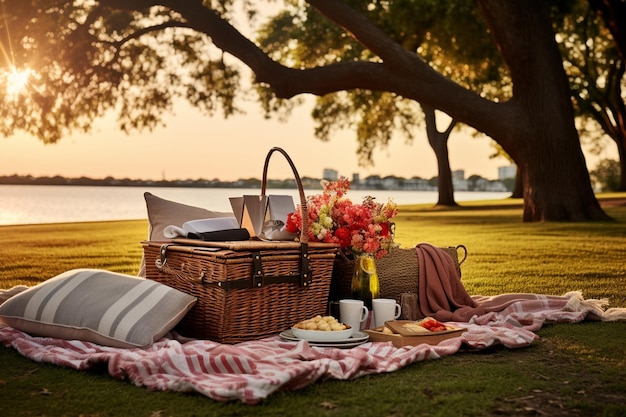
(363, 231)
(364, 228)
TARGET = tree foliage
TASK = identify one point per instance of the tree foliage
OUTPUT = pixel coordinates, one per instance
(596, 72)
(607, 175)
(88, 57)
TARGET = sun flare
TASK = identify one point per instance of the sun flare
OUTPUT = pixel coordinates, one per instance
(16, 81)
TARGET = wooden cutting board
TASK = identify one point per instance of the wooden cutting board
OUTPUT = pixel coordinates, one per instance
(412, 328)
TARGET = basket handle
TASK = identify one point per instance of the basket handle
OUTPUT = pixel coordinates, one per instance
(464, 249)
(304, 233)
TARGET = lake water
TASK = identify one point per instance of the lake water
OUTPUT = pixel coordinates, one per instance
(35, 204)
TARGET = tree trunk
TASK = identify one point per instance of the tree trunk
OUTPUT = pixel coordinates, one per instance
(444, 181)
(518, 187)
(439, 142)
(538, 130)
(621, 150)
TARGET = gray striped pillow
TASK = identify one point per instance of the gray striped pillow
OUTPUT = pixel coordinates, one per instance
(98, 306)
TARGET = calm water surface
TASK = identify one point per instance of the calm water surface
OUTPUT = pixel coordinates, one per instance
(35, 204)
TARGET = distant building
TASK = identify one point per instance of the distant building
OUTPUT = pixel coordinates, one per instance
(356, 178)
(507, 172)
(459, 183)
(330, 174)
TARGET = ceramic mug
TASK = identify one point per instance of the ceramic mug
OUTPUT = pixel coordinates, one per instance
(353, 313)
(385, 309)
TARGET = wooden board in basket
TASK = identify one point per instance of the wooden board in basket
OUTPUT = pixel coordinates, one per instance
(246, 290)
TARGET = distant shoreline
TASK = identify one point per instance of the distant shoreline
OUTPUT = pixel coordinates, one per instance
(125, 182)
(370, 183)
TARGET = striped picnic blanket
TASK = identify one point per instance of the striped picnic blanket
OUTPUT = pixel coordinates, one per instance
(251, 371)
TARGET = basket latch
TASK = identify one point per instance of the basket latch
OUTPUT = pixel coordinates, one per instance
(160, 263)
(259, 279)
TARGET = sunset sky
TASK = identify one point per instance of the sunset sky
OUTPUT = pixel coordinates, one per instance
(194, 146)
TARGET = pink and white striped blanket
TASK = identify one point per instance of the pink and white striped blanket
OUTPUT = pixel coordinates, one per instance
(251, 371)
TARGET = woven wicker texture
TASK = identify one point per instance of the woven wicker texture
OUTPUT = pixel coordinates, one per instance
(398, 272)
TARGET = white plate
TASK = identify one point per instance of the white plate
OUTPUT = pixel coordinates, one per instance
(345, 345)
(321, 335)
(358, 337)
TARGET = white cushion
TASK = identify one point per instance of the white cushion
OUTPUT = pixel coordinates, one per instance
(98, 306)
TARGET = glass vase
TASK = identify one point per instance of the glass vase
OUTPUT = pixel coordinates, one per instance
(365, 284)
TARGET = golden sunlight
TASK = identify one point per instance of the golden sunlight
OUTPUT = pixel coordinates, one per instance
(16, 81)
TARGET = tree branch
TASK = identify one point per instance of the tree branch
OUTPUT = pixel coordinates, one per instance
(364, 31)
(284, 81)
(410, 76)
(149, 29)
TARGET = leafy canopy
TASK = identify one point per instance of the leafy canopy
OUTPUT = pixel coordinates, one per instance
(84, 59)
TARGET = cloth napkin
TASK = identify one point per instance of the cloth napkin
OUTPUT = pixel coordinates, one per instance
(201, 226)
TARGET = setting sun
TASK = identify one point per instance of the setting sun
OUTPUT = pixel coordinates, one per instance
(16, 81)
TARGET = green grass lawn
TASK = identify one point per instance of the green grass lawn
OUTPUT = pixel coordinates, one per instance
(573, 370)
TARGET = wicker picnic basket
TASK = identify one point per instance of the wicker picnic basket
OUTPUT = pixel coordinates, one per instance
(248, 289)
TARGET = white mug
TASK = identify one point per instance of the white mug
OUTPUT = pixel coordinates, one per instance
(385, 309)
(352, 313)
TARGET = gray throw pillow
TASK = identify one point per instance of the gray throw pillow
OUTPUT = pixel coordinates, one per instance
(103, 307)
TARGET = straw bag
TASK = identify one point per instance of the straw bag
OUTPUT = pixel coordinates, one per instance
(398, 272)
(246, 289)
